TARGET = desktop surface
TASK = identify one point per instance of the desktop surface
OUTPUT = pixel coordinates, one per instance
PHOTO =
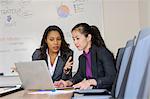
(24, 94)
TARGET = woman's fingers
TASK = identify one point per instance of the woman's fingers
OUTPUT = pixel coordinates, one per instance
(69, 60)
(82, 85)
(68, 64)
(59, 84)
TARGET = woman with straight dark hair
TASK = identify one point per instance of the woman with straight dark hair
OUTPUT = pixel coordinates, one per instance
(96, 64)
(56, 52)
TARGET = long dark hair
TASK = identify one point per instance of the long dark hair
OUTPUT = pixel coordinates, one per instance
(86, 29)
(97, 39)
(64, 45)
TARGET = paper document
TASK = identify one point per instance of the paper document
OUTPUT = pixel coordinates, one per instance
(52, 92)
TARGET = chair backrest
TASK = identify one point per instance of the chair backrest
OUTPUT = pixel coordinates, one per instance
(144, 91)
(138, 64)
(124, 63)
(119, 57)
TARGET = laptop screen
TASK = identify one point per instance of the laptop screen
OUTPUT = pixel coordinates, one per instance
(34, 75)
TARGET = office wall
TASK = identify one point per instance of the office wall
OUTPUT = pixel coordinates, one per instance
(22, 24)
(121, 22)
(144, 8)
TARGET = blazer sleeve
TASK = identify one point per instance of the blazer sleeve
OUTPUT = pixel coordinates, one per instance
(107, 59)
(79, 76)
(36, 55)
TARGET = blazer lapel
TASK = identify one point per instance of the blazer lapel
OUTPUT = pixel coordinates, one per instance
(93, 60)
(83, 65)
(59, 68)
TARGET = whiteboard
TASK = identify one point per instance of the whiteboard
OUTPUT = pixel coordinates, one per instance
(22, 24)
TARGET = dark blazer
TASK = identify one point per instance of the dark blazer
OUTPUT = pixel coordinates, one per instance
(62, 59)
(103, 67)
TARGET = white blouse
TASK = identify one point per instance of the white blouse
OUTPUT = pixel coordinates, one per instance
(52, 67)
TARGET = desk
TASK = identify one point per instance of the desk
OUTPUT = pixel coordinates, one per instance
(24, 95)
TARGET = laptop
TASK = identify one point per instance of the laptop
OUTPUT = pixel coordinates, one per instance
(34, 75)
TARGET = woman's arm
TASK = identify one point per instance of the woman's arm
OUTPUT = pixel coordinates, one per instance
(107, 59)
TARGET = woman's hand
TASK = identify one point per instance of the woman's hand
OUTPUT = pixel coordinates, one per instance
(59, 84)
(68, 65)
(85, 84)
(62, 83)
(13, 69)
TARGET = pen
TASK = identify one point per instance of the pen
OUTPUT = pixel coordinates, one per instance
(7, 86)
(48, 90)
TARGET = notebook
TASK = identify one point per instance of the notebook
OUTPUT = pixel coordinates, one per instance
(9, 89)
(34, 75)
(92, 91)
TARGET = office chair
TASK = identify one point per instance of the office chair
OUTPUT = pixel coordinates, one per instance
(138, 64)
(124, 68)
(119, 57)
(144, 91)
